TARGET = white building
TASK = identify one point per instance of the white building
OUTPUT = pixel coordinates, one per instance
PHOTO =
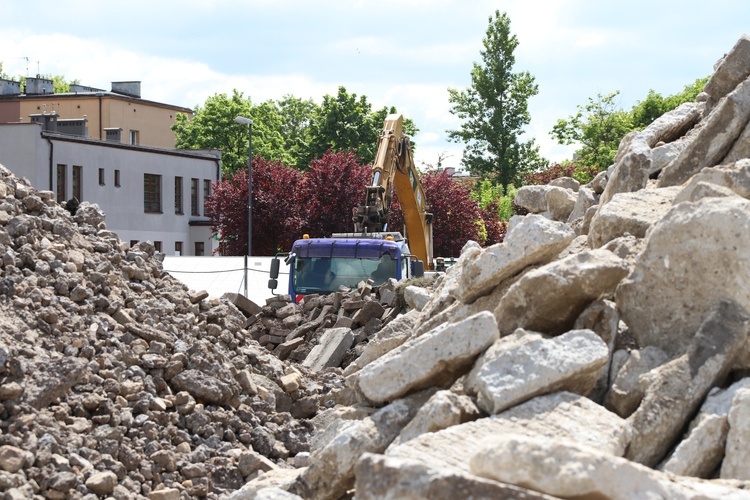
(147, 193)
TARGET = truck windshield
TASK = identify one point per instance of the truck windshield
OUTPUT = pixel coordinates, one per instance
(320, 274)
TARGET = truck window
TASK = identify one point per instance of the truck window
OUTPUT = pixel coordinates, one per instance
(320, 275)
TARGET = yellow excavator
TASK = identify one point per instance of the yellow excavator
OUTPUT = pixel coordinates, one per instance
(394, 170)
(322, 265)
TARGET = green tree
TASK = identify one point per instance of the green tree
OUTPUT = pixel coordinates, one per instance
(343, 123)
(296, 116)
(646, 111)
(213, 127)
(61, 86)
(495, 110)
(598, 127)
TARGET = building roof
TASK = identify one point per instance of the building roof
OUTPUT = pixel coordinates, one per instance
(89, 95)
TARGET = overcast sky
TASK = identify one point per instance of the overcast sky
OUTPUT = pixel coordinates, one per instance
(403, 53)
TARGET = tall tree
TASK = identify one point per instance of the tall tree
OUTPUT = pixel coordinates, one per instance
(343, 122)
(296, 117)
(213, 127)
(495, 110)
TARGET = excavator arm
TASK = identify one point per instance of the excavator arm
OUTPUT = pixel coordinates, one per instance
(394, 170)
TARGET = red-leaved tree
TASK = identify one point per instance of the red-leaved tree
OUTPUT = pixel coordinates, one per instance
(276, 209)
(456, 216)
(333, 186)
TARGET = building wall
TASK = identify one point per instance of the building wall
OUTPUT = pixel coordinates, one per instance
(24, 153)
(152, 121)
(10, 112)
(29, 152)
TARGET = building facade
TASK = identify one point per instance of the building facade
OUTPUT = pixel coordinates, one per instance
(146, 193)
(116, 150)
(119, 115)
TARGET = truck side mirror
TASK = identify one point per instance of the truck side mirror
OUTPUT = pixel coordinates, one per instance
(274, 273)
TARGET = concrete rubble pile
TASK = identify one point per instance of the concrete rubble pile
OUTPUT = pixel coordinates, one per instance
(117, 381)
(601, 351)
(325, 331)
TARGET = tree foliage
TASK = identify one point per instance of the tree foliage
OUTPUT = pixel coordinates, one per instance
(646, 111)
(577, 169)
(599, 126)
(213, 126)
(293, 131)
(333, 186)
(276, 210)
(343, 122)
(495, 110)
(296, 117)
(495, 227)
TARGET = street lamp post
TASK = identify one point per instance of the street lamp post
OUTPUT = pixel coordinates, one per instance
(247, 121)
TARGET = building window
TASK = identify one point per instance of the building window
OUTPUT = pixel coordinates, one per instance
(62, 174)
(77, 182)
(133, 243)
(199, 248)
(178, 195)
(117, 178)
(151, 193)
(134, 137)
(101, 177)
(157, 246)
(178, 248)
(194, 197)
(206, 193)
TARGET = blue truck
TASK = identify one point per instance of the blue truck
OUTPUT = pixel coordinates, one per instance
(322, 265)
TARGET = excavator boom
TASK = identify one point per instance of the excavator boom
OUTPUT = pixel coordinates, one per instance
(394, 170)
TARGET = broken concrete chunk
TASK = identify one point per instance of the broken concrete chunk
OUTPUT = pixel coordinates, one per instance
(680, 385)
(525, 364)
(677, 250)
(534, 240)
(425, 360)
(550, 298)
(567, 469)
(330, 350)
(736, 464)
(718, 133)
(701, 451)
(381, 477)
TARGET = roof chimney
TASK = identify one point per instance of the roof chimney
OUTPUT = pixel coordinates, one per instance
(131, 89)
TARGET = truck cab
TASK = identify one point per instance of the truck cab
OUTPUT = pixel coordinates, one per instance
(322, 265)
